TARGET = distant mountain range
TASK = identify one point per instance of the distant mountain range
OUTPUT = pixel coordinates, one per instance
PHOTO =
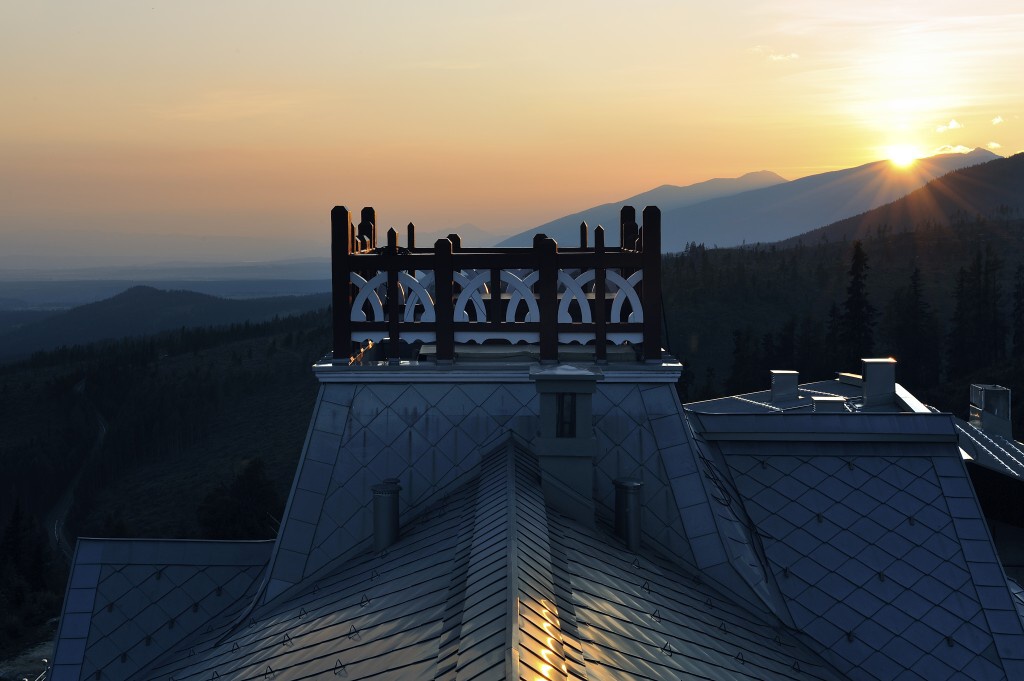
(990, 190)
(144, 310)
(773, 210)
(566, 230)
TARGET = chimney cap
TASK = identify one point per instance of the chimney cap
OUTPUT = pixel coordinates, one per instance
(629, 483)
(828, 404)
(387, 487)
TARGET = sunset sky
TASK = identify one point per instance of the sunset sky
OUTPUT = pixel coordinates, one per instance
(251, 119)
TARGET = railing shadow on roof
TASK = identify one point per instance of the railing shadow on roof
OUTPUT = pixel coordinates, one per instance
(544, 295)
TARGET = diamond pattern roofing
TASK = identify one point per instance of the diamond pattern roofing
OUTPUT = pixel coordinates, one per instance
(128, 601)
(490, 584)
(774, 558)
(880, 548)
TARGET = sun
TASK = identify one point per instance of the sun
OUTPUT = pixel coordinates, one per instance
(902, 155)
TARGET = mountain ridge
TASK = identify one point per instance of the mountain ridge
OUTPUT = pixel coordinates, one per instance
(779, 212)
(760, 207)
(565, 229)
(144, 310)
(993, 189)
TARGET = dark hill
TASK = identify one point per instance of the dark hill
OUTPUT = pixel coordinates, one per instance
(143, 310)
(991, 190)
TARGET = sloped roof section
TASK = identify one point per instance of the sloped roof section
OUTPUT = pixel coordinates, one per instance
(641, 617)
(377, 613)
(990, 450)
(128, 601)
(490, 584)
(879, 546)
(431, 431)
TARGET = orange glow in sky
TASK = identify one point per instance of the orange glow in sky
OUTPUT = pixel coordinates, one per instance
(251, 119)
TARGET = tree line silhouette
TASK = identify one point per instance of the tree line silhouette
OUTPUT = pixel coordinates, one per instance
(942, 302)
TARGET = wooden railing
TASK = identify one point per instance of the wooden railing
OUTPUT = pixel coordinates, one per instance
(543, 295)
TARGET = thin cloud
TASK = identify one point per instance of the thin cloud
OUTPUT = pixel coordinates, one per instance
(951, 149)
(771, 55)
(995, 145)
(952, 125)
(997, 120)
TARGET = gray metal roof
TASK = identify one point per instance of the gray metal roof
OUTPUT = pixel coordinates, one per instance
(775, 528)
(991, 451)
(430, 435)
(490, 584)
(761, 400)
(883, 556)
(640, 616)
(128, 601)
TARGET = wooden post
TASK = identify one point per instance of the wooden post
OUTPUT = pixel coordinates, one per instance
(547, 290)
(444, 306)
(494, 313)
(650, 293)
(368, 216)
(627, 228)
(600, 312)
(391, 259)
(410, 236)
(583, 234)
(341, 286)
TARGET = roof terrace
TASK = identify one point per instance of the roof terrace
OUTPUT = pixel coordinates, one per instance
(597, 299)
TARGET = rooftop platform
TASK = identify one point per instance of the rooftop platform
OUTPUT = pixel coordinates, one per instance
(547, 296)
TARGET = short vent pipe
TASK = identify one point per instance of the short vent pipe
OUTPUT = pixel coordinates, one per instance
(385, 514)
(628, 493)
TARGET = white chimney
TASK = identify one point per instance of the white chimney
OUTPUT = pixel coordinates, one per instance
(784, 385)
(879, 381)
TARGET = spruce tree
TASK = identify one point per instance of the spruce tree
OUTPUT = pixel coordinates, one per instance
(959, 341)
(1017, 322)
(911, 333)
(856, 330)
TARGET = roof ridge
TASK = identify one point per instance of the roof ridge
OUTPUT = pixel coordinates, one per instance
(507, 625)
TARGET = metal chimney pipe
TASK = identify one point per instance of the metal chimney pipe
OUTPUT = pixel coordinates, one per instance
(785, 385)
(385, 514)
(627, 511)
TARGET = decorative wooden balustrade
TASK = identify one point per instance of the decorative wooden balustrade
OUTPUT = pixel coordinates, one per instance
(543, 295)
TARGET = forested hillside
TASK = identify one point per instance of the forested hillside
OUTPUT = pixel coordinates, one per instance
(190, 433)
(947, 303)
(992, 191)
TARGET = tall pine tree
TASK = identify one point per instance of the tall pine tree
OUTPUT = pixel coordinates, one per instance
(1017, 321)
(911, 332)
(856, 325)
